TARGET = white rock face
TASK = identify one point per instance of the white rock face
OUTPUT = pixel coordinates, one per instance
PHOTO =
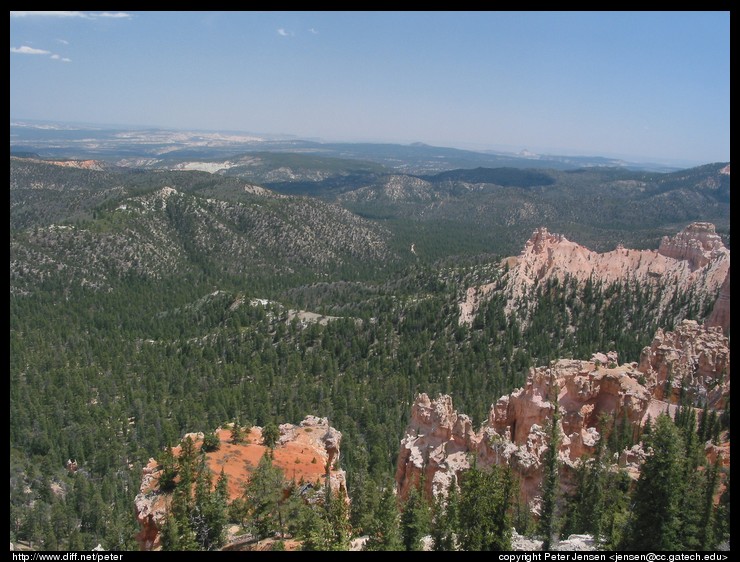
(698, 244)
(694, 357)
(577, 542)
(694, 259)
(440, 443)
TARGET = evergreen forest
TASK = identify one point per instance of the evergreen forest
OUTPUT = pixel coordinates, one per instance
(137, 316)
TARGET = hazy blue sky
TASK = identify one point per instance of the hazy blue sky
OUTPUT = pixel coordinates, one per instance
(634, 84)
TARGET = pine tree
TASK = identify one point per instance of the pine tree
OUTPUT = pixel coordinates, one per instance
(615, 510)
(415, 520)
(707, 521)
(384, 533)
(445, 519)
(715, 425)
(186, 464)
(211, 442)
(484, 521)
(264, 497)
(208, 517)
(550, 484)
(691, 508)
(169, 470)
(585, 502)
(655, 522)
(647, 429)
(337, 515)
(721, 530)
(724, 418)
(270, 435)
(327, 526)
(365, 497)
(703, 424)
(177, 533)
(237, 436)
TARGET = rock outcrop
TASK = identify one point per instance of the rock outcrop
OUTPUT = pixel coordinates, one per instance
(577, 543)
(304, 453)
(698, 244)
(694, 358)
(695, 260)
(441, 443)
(471, 301)
(79, 164)
(720, 315)
(436, 445)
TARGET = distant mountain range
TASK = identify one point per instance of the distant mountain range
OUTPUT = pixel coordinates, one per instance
(59, 140)
(251, 214)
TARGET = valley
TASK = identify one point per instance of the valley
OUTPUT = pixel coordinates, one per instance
(154, 297)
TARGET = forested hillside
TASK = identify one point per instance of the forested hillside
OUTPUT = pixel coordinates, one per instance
(144, 305)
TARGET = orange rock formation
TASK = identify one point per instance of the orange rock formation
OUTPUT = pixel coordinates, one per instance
(303, 453)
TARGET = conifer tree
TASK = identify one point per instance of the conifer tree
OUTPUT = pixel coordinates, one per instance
(327, 526)
(703, 424)
(707, 521)
(655, 521)
(208, 517)
(237, 436)
(365, 498)
(270, 435)
(169, 470)
(721, 530)
(445, 519)
(264, 497)
(384, 531)
(550, 484)
(211, 442)
(484, 522)
(415, 520)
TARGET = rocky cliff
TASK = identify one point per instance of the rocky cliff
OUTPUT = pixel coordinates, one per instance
(80, 164)
(303, 452)
(720, 315)
(440, 443)
(694, 359)
(698, 244)
(695, 260)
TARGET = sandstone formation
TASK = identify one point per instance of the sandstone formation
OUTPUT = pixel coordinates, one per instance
(304, 452)
(695, 259)
(720, 315)
(695, 358)
(698, 244)
(441, 443)
(436, 445)
(471, 301)
(79, 164)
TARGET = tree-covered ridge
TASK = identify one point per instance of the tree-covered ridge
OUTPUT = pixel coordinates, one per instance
(195, 227)
(505, 177)
(460, 211)
(145, 305)
(597, 207)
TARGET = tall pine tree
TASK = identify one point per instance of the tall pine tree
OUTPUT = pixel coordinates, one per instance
(550, 482)
(415, 520)
(655, 522)
(384, 531)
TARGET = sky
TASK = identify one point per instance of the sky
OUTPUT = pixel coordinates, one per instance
(647, 86)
